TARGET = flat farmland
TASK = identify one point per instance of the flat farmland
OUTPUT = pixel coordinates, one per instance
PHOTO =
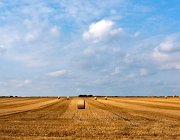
(115, 118)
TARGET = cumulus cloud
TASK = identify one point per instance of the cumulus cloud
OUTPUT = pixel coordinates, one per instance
(167, 53)
(101, 29)
(170, 44)
(59, 73)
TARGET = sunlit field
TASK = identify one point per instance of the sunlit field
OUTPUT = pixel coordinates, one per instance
(114, 118)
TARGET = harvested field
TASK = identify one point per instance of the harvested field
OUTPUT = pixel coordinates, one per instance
(115, 118)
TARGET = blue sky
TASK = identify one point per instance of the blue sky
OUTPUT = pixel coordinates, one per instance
(71, 47)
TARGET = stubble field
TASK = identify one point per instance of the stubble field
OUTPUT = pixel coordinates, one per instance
(115, 118)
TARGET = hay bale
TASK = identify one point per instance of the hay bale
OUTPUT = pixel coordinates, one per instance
(67, 97)
(105, 98)
(165, 97)
(58, 97)
(81, 104)
(95, 98)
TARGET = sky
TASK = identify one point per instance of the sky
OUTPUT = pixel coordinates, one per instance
(72, 47)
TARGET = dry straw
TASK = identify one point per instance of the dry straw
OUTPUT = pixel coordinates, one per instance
(105, 98)
(95, 98)
(81, 104)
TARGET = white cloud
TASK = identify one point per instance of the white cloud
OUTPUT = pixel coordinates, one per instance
(101, 30)
(167, 53)
(54, 31)
(59, 73)
(159, 56)
(40, 37)
(170, 44)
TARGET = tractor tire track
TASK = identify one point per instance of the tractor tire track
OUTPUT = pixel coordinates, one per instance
(103, 106)
(21, 103)
(17, 110)
(162, 105)
(42, 112)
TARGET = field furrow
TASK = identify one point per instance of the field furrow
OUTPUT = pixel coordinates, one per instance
(171, 101)
(20, 103)
(7, 100)
(150, 104)
(136, 106)
(142, 121)
(27, 107)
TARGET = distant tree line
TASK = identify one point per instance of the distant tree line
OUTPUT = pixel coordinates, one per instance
(8, 96)
(85, 95)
